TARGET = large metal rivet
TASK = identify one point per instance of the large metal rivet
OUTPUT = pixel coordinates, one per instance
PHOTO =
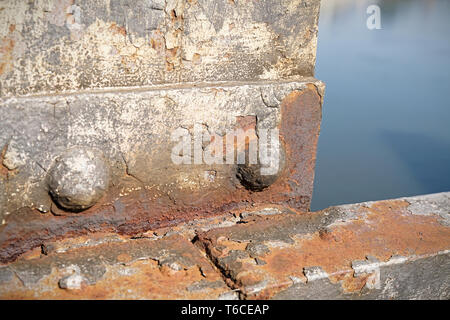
(251, 177)
(78, 178)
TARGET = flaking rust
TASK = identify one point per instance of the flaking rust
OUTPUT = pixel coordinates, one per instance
(145, 208)
(386, 249)
(102, 44)
(345, 246)
(119, 79)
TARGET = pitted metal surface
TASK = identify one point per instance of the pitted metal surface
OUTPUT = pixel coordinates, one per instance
(93, 95)
(370, 250)
(62, 45)
(375, 250)
(132, 132)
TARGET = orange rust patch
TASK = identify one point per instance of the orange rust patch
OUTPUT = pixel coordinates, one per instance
(124, 257)
(147, 282)
(6, 48)
(388, 230)
(351, 283)
(142, 278)
(171, 53)
(248, 126)
(169, 66)
(196, 58)
(157, 41)
(280, 262)
(118, 29)
(32, 254)
(245, 132)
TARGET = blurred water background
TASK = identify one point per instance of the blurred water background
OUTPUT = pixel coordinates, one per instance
(386, 114)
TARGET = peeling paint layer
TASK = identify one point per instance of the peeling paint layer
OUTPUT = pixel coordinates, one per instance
(132, 129)
(346, 245)
(62, 46)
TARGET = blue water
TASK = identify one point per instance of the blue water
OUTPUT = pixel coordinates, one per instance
(386, 115)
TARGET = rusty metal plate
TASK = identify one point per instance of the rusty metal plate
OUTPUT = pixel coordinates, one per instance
(64, 45)
(115, 268)
(393, 249)
(124, 139)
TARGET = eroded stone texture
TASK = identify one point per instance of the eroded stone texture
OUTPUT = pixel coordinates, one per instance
(169, 268)
(374, 250)
(63, 45)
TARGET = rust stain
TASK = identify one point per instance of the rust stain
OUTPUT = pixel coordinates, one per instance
(388, 230)
(169, 66)
(157, 41)
(299, 131)
(3, 170)
(172, 53)
(124, 257)
(141, 278)
(229, 246)
(6, 49)
(196, 58)
(246, 122)
(382, 230)
(150, 209)
(148, 282)
(350, 283)
(175, 21)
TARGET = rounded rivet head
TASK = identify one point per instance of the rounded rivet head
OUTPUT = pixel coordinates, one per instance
(254, 178)
(78, 178)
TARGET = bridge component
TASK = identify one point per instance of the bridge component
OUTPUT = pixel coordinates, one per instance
(157, 91)
(392, 249)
